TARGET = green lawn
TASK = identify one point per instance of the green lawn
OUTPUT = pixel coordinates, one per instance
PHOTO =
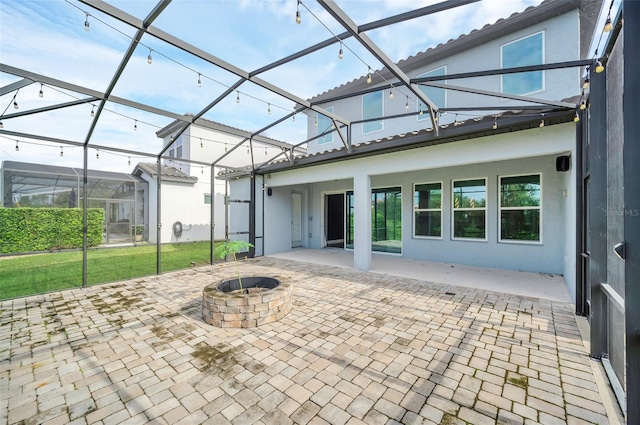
(37, 273)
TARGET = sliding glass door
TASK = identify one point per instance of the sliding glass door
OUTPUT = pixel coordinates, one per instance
(349, 220)
(386, 220)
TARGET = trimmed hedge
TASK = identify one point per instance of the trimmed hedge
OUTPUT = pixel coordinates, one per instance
(44, 229)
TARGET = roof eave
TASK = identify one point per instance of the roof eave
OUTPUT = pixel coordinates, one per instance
(473, 130)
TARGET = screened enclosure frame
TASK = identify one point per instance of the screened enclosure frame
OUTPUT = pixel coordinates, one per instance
(343, 126)
(292, 155)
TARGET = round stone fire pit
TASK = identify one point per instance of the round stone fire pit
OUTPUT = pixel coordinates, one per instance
(262, 300)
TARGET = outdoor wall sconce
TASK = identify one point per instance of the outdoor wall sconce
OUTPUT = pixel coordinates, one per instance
(563, 163)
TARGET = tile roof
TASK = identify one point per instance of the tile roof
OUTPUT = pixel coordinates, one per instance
(508, 121)
(168, 173)
(530, 16)
(216, 126)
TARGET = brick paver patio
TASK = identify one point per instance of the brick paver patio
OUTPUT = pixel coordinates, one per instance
(357, 348)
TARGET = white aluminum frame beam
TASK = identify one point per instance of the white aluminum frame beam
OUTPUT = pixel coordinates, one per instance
(49, 108)
(89, 92)
(31, 136)
(157, 10)
(15, 86)
(97, 95)
(501, 95)
(344, 20)
(197, 52)
(427, 10)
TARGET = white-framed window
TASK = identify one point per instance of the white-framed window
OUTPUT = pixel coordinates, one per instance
(469, 200)
(171, 153)
(325, 124)
(178, 146)
(525, 51)
(520, 206)
(207, 199)
(436, 95)
(372, 108)
(427, 210)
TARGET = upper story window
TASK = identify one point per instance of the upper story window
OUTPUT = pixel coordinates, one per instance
(523, 52)
(178, 145)
(372, 108)
(325, 124)
(436, 95)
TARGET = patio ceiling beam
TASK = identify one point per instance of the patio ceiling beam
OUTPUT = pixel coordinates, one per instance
(249, 136)
(273, 124)
(290, 151)
(501, 95)
(50, 108)
(298, 100)
(15, 86)
(422, 80)
(193, 50)
(286, 153)
(31, 136)
(90, 92)
(199, 53)
(344, 20)
(501, 71)
(240, 133)
(427, 10)
(463, 109)
(244, 76)
(417, 13)
(157, 10)
(344, 140)
(229, 152)
(38, 137)
(497, 108)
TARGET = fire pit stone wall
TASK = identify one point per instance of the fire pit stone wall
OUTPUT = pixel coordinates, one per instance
(255, 307)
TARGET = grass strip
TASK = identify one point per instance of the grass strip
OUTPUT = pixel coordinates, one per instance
(37, 273)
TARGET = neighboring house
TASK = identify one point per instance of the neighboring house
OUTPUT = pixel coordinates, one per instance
(178, 189)
(130, 201)
(554, 31)
(121, 195)
(493, 188)
(187, 183)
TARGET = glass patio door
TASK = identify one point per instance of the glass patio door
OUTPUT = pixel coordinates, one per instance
(349, 220)
(386, 220)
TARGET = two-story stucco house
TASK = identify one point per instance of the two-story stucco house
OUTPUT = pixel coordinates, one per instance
(186, 178)
(491, 184)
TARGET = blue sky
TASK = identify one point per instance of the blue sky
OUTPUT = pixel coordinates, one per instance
(48, 37)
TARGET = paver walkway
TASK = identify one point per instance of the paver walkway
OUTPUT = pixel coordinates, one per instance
(356, 348)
